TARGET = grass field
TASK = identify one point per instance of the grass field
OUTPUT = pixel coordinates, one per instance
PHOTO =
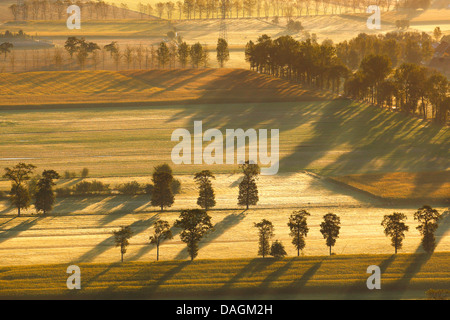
(402, 185)
(338, 277)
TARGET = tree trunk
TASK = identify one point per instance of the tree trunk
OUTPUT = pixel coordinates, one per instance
(330, 250)
(157, 252)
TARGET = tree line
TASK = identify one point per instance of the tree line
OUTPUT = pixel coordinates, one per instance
(201, 9)
(162, 190)
(196, 223)
(413, 87)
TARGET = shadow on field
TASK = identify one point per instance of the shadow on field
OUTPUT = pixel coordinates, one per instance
(219, 228)
(16, 230)
(340, 137)
(419, 259)
(306, 276)
(119, 206)
(253, 267)
(136, 227)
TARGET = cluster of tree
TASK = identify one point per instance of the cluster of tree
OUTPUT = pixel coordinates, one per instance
(412, 87)
(15, 35)
(306, 61)
(410, 47)
(171, 53)
(196, 223)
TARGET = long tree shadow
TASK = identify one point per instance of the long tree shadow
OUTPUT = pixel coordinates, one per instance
(136, 227)
(420, 258)
(150, 290)
(300, 283)
(18, 229)
(274, 276)
(253, 267)
(121, 205)
(219, 228)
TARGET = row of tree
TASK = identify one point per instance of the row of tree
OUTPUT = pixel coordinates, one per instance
(196, 223)
(412, 86)
(162, 190)
(201, 9)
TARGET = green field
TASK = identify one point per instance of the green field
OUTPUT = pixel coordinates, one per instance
(327, 137)
(337, 277)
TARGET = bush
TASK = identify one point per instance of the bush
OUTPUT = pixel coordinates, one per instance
(277, 250)
(295, 26)
(129, 188)
(148, 189)
(95, 186)
(63, 192)
(175, 185)
(84, 172)
(275, 20)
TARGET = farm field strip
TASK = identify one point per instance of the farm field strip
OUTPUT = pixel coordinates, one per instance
(403, 276)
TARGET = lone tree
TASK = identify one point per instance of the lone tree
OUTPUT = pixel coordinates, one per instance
(223, 54)
(121, 239)
(299, 229)
(277, 250)
(428, 219)
(195, 224)
(162, 232)
(19, 195)
(330, 229)
(45, 197)
(265, 229)
(206, 197)
(162, 195)
(248, 191)
(395, 228)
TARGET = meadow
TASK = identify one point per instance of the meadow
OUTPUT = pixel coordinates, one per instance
(337, 277)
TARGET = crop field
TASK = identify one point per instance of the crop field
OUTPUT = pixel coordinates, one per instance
(319, 138)
(338, 277)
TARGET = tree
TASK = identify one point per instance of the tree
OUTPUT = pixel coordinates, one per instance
(375, 68)
(183, 54)
(248, 191)
(265, 229)
(206, 197)
(162, 194)
(395, 228)
(196, 54)
(428, 219)
(112, 48)
(163, 54)
(5, 48)
(330, 229)
(45, 197)
(277, 249)
(195, 223)
(121, 239)
(223, 54)
(299, 229)
(19, 193)
(162, 232)
(437, 34)
(71, 45)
